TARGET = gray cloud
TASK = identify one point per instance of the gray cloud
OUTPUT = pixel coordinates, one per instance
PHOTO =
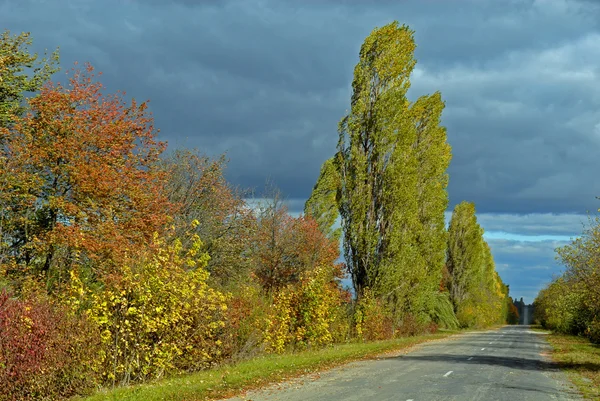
(526, 266)
(537, 224)
(267, 81)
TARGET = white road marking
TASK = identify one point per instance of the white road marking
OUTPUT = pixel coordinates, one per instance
(469, 358)
(482, 349)
(448, 374)
(492, 342)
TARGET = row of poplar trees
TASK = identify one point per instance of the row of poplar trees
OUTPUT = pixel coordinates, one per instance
(387, 181)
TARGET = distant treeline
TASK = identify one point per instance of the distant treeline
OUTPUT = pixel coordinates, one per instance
(571, 302)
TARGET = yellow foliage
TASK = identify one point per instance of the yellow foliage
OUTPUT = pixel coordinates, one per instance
(303, 314)
(371, 320)
(159, 315)
(279, 323)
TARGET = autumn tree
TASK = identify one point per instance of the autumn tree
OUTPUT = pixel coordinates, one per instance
(392, 160)
(367, 139)
(198, 191)
(21, 73)
(571, 303)
(477, 292)
(465, 252)
(433, 156)
(78, 180)
(285, 247)
(582, 261)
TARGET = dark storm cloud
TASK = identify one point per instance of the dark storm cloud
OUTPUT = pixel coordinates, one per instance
(267, 81)
(526, 266)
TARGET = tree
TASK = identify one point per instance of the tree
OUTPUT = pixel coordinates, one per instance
(433, 155)
(465, 253)
(571, 303)
(392, 160)
(322, 205)
(582, 261)
(78, 182)
(285, 247)
(478, 294)
(20, 73)
(368, 138)
(198, 191)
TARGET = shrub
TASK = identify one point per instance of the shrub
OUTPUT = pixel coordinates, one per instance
(305, 315)
(243, 337)
(45, 352)
(318, 301)
(372, 321)
(158, 316)
(593, 331)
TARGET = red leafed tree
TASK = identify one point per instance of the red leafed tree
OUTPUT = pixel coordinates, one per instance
(286, 247)
(314, 248)
(80, 183)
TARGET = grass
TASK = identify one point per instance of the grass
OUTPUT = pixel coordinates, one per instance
(230, 380)
(580, 359)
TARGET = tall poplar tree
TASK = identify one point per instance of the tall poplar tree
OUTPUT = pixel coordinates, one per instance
(392, 160)
(433, 156)
(466, 252)
(367, 140)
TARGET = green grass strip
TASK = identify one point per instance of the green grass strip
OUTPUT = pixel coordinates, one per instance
(229, 380)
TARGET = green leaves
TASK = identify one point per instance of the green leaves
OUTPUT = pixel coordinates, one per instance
(322, 205)
(571, 303)
(477, 292)
(20, 72)
(391, 162)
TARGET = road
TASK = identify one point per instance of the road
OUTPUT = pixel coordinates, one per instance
(504, 364)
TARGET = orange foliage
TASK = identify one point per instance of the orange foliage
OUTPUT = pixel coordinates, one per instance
(83, 174)
(286, 247)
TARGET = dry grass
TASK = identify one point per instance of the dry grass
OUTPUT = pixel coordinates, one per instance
(581, 360)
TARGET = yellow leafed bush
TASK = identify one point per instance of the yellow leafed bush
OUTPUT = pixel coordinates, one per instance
(158, 316)
(371, 320)
(304, 315)
(318, 303)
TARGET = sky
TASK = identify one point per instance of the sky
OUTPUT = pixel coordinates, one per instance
(266, 82)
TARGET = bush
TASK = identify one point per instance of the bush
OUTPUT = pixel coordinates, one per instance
(45, 352)
(372, 321)
(158, 316)
(307, 314)
(593, 331)
(243, 337)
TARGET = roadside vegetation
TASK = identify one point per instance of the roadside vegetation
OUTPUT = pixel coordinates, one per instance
(580, 359)
(228, 380)
(570, 307)
(570, 304)
(121, 265)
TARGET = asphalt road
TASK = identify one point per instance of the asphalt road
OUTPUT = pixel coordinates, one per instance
(505, 364)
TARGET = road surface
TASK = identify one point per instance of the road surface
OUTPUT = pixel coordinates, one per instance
(506, 364)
